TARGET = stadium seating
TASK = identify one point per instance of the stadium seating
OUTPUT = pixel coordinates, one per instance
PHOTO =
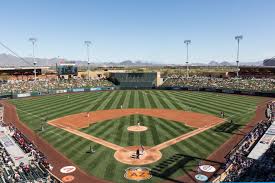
(35, 171)
(17, 86)
(220, 83)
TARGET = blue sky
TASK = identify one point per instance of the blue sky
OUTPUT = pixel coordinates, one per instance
(152, 30)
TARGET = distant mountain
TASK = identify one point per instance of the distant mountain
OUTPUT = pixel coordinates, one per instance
(213, 63)
(10, 60)
(226, 63)
(7, 60)
(269, 62)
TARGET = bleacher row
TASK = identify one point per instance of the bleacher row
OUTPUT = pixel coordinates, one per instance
(35, 171)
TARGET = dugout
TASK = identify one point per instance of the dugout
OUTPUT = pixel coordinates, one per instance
(135, 80)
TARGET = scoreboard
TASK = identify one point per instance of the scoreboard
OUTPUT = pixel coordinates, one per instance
(67, 70)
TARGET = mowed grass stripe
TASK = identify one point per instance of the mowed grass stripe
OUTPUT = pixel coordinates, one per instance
(164, 101)
(141, 99)
(177, 126)
(219, 98)
(206, 102)
(224, 104)
(151, 100)
(153, 130)
(131, 137)
(157, 101)
(58, 102)
(100, 101)
(163, 128)
(132, 99)
(110, 102)
(120, 103)
(247, 100)
(136, 99)
(146, 100)
(126, 101)
(211, 108)
(107, 101)
(115, 104)
(178, 105)
(61, 108)
(120, 132)
(136, 136)
(181, 96)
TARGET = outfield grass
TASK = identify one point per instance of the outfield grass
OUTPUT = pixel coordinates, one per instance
(102, 164)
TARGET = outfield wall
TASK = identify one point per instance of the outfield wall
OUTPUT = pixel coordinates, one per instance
(92, 89)
(58, 91)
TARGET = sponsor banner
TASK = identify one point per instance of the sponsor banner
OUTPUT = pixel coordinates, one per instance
(176, 88)
(201, 177)
(23, 95)
(210, 89)
(248, 92)
(61, 91)
(67, 169)
(95, 89)
(78, 89)
(207, 168)
(193, 89)
(107, 88)
(137, 173)
(227, 91)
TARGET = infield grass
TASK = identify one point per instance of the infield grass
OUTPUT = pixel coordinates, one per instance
(159, 130)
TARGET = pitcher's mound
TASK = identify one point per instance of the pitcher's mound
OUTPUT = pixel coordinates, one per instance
(126, 155)
(137, 128)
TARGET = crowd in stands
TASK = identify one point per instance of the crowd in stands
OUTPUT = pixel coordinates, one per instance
(29, 148)
(251, 84)
(35, 171)
(19, 86)
(262, 170)
(237, 160)
(44, 85)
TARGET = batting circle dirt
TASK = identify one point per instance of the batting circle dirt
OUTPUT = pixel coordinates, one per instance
(126, 155)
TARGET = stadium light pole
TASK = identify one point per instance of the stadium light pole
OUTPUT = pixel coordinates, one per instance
(87, 43)
(33, 40)
(187, 42)
(238, 38)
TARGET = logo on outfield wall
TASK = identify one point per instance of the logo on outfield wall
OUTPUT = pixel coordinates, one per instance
(137, 173)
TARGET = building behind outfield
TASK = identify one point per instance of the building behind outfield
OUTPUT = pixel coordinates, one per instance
(136, 79)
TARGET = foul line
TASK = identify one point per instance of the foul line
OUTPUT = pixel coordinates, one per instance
(89, 137)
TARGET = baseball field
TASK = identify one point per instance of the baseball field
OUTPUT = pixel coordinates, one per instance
(72, 123)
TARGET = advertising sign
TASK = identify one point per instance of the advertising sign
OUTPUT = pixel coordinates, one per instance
(23, 95)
